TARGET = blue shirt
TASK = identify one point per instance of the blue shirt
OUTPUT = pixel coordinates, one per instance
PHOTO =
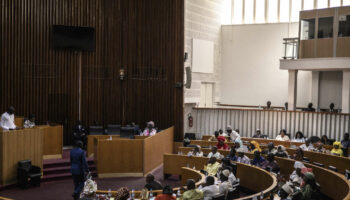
(258, 161)
(78, 162)
(345, 144)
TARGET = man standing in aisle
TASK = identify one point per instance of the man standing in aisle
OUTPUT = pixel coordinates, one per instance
(8, 119)
(78, 168)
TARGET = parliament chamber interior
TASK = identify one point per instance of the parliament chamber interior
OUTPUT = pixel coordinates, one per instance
(175, 99)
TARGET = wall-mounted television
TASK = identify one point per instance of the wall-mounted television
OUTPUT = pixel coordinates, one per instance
(76, 38)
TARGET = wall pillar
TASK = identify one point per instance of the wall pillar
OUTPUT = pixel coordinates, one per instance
(315, 89)
(292, 89)
(346, 92)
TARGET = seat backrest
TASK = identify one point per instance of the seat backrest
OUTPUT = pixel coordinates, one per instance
(113, 129)
(332, 168)
(219, 197)
(306, 159)
(232, 194)
(191, 136)
(127, 132)
(318, 164)
(25, 164)
(96, 130)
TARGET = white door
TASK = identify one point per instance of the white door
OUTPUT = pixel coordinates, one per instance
(206, 99)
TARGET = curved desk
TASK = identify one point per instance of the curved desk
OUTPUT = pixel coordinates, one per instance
(341, 163)
(333, 184)
(186, 173)
(250, 176)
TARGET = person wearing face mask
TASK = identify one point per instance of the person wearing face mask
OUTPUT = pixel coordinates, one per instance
(8, 119)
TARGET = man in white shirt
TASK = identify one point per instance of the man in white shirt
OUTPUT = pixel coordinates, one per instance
(308, 146)
(209, 190)
(214, 153)
(225, 184)
(8, 119)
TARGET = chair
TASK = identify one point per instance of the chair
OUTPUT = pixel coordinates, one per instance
(113, 129)
(191, 136)
(28, 174)
(96, 130)
(318, 164)
(219, 197)
(127, 132)
(332, 168)
(233, 194)
(306, 159)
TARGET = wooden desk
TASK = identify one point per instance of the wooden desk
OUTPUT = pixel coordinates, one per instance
(19, 121)
(23, 144)
(90, 142)
(186, 173)
(250, 176)
(53, 141)
(131, 157)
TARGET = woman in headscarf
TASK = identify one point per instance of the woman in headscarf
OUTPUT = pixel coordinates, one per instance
(254, 146)
(297, 176)
(337, 149)
(283, 136)
(221, 144)
(309, 188)
(281, 152)
(299, 154)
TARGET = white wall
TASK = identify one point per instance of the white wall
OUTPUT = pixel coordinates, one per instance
(202, 21)
(250, 65)
(331, 84)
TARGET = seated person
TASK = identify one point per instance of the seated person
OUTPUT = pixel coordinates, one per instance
(8, 119)
(346, 141)
(319, 148)
(258, 159)
(268, 106)
(337, 149)
(309, 189)
(152, 184)
(225, 184)
(80, 132)
(221, 133)
(209, 188)
(258, 134)
(212, 167)
(282, 136)
(285, 191)
(214, 137)
(242, 158)
(297, 177)
(308, 146)
(233, 134)
(149, 130)
(325, 140)
(192, 193)
(225, 164)
(299, 137)
(196, 151)
(232, 156)
(167, 194)
(29, 122)
(271, 148)
(231, 178)
(214, 153)
(254, 146)
(270, 164)
(221, 143)
(299, 154)
(281, 152)
(310, 108)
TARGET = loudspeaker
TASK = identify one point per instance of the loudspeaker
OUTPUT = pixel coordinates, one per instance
(188, 77)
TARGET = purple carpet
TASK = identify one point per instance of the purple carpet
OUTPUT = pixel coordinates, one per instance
(63, 189)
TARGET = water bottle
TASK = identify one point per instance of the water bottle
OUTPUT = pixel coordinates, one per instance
(110, 137)
(150, 194)
(132, 194)
(109, 193)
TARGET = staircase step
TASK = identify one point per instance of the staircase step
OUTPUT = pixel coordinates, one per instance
(62, 169)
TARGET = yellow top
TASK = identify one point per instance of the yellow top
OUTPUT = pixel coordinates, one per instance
(212, 169)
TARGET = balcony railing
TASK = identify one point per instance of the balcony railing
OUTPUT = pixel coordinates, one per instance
(290, 48)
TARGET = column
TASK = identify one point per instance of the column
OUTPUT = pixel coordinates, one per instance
(315, 89)
(346, 92)
(292, 89)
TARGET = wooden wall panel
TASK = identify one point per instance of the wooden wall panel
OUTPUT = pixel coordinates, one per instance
(145, 38)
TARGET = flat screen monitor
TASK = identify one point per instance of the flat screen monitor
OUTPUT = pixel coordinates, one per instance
(76, 38)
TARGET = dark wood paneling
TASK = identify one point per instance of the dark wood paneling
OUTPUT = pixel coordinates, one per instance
(146, 38)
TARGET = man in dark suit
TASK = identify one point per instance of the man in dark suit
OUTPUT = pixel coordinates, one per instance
(78, 168)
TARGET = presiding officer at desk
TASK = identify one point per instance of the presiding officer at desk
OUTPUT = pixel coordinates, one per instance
(8, 119)
(78, 168)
